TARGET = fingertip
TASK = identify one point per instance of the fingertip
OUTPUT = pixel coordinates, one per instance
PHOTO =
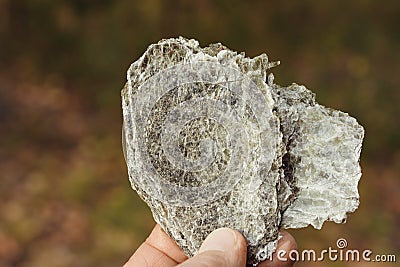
(160, 240)
(222, 247)
(240, 248)
(280, 258)
(224, 239)
(241, 243)
(287, 242)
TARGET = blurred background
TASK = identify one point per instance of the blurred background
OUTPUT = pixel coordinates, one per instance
(65, 199)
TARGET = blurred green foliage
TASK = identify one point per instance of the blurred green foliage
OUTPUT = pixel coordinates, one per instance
(65, 196)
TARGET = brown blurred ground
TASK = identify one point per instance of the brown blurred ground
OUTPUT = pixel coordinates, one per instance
(65, 199)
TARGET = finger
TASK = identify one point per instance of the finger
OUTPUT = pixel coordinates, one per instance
(222, 248)
(280, 258)
(158, 250)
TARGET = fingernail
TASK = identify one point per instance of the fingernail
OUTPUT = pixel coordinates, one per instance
(222, 239)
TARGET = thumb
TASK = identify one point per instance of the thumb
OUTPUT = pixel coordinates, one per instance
(223, 247)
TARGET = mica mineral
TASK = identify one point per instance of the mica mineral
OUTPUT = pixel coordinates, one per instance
(211, 141)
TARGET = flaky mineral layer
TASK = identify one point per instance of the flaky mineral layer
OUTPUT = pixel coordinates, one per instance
(210, 141)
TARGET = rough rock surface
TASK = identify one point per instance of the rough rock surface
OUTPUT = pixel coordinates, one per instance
(210, 141)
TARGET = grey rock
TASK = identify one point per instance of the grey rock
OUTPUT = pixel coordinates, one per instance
(210, 141)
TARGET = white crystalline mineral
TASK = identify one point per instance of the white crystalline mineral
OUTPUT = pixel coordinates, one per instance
(210, 141)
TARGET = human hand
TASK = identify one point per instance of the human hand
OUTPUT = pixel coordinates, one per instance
(223, 247)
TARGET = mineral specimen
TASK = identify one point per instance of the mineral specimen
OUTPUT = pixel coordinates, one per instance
(210, 141)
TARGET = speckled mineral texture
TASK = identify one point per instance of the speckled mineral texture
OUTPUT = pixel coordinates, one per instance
(210, 141)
